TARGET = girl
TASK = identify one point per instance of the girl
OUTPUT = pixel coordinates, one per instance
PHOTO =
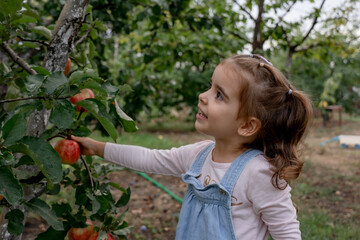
(238, 183)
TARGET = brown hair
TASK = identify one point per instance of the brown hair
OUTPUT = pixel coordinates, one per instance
(283, 111)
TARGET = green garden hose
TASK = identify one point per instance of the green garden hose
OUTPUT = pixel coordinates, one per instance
(159, 185)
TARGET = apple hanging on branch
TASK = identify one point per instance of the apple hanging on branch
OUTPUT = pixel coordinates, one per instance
(67, 67)
(69, 150)
(81, 233)
(84, 94)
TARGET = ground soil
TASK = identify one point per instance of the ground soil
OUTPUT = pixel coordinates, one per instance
(153, 214)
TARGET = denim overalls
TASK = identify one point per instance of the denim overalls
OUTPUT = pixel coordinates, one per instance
(206, 211)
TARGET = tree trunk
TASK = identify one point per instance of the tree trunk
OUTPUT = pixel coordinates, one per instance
(67, 28)
(289, 59)
(257, 43)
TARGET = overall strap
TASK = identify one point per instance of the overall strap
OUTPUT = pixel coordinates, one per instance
(196, 167)
(236, 167)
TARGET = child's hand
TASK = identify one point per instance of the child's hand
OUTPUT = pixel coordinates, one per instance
(90, 146)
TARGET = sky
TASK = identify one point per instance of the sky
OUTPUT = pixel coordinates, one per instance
(302, 9)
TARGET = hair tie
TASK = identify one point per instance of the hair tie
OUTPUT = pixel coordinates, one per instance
(290, 91)
(261, 64)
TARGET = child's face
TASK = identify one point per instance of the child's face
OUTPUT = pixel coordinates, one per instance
(219, 106)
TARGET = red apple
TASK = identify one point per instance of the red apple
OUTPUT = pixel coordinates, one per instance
(96, 234)
(81, 233)
(1, 197)
(69, 150)
(84, 94)
(67, 67)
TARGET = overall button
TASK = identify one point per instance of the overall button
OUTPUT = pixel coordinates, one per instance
(222, 192)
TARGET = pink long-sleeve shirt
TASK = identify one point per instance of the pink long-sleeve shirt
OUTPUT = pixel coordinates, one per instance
(258, 208)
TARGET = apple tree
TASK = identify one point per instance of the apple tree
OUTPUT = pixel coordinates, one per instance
(36, 112)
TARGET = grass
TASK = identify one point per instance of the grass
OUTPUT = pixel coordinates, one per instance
(327, 191)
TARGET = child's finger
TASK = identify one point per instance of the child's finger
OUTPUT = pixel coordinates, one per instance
(77, 139)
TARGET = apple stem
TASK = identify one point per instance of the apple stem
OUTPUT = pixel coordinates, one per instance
(89, 172)
(81, 112)
(55, 136)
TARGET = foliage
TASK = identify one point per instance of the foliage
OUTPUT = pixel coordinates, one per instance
(29, 163)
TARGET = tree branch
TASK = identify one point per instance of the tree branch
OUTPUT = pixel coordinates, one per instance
(83, 37)
(244, 10)
(313, 24)
(304, 49)
(30, 40)
(286, 12)
(89, 173)
(286, 36)
(28, 98)
(239, 36)
(280, 20)
(14, 56)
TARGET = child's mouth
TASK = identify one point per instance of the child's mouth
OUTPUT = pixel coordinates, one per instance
(201, 115)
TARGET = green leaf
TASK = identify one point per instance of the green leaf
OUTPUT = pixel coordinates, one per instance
(81, 75)
(62, 114)
(95, 204)
(99, 92)
(51, 233)
(42, 209)
(127, 122)
(124, 231)
(10, 187)
(31, 13)
(41, 70)
(24, 19)
(10, 7)
(55, 190)
(104, 204)
(49, 133)
(15, 221)
(81, 131)
(92, 50)
(30, 45)
(61, 209)
(89, 105)
(54, 81)
(111, 89)
(96, 108)
(81, 197)
(34, 82)
(124, 199)
(7, 158)
(43, 31)
(43, 154)
(14, 129)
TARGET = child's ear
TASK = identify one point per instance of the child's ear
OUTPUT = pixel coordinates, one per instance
(249, 127)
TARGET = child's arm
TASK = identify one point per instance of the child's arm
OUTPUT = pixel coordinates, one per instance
(173, 161)
(90, 146)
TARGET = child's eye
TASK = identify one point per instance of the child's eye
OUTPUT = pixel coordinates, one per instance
(219, 96)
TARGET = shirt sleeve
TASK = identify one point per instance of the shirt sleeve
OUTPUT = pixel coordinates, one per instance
(174, 161)
(273, 205)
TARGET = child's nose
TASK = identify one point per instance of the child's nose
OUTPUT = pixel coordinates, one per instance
(202, 98)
